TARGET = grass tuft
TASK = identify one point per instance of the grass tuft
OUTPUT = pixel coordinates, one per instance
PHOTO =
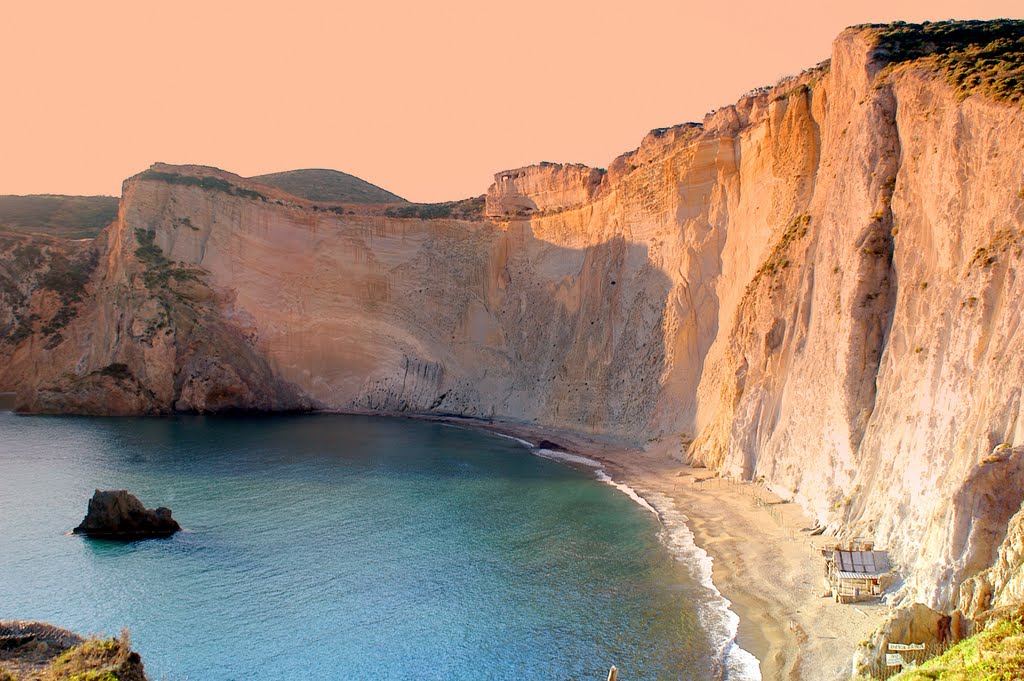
(95, 659)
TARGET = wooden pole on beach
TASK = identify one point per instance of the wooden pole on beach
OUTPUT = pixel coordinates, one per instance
(613, 674)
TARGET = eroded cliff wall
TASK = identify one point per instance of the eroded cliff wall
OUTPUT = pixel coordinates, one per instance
(817, 286)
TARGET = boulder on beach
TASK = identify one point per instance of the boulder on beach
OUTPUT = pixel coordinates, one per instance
(116, 514)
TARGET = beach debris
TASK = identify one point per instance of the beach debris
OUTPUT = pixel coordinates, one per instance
(116, 514)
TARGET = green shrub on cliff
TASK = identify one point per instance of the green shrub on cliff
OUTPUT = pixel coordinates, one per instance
(97, 660)
(159, 269)
(94, 659)
(778, 260)
(995, 654)
(207, 182)
(67, 277)
(466, 209)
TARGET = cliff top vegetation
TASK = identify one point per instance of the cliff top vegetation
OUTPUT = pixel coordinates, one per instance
(329, 186)
(54, 654)
(993, 654)
(976, 57)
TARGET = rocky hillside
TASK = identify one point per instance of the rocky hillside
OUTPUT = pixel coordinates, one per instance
(328, 186)
(43, 284)
(815, 286)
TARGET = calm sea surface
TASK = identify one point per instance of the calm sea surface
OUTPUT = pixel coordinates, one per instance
(339, 547)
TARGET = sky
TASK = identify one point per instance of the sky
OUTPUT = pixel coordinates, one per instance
(427, 99)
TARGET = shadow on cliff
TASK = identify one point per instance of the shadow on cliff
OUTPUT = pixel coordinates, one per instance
(577, 333)
(559, 336)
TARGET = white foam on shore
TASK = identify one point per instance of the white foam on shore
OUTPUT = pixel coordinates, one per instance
(717, 615)
(734, 663)
(628, 491)
(528, 445)
(568, 458)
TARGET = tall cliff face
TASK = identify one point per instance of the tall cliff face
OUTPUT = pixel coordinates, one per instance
(140, 333)
(817, 286)
(873, 374)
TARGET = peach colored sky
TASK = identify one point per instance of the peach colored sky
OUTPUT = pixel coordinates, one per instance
(427, 99)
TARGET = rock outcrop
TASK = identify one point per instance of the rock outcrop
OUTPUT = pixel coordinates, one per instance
(1000, 586)
(915, 624)
(30, 646)
(541, 188)
(116, 514)
(816, 286)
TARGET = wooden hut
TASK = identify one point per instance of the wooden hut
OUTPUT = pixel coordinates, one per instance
(855, 573)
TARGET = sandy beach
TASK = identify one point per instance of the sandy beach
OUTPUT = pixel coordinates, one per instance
(763, 563)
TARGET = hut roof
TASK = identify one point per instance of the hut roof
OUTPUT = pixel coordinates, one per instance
(861, 564)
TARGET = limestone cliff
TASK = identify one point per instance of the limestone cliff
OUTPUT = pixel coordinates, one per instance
(816, 285)
(136, 333)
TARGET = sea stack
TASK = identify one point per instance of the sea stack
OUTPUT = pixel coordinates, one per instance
(116, 514)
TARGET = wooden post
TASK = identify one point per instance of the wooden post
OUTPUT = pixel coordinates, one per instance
(613, 674)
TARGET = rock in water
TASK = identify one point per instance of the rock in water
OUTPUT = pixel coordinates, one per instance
(116, 514)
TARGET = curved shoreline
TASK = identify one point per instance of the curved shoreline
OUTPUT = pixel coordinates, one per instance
(721, 622)
(767, 570)
(769, 575)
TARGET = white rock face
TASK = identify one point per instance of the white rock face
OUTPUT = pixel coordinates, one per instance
(818, 285)
(871, 375)
(540, 188)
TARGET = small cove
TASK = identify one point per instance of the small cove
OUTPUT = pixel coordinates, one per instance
(316, 545)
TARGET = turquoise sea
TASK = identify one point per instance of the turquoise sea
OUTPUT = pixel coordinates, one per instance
(326, 547)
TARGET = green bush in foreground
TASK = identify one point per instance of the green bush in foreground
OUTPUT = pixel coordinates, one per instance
(93, 659)
(995, 654)
(97, 660)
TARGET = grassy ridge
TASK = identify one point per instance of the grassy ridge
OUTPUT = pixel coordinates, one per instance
(328, 185)
(70, 217)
